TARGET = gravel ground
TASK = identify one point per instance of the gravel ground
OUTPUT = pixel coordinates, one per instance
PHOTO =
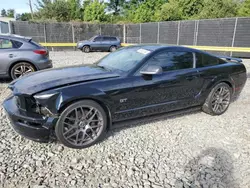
(188, 150)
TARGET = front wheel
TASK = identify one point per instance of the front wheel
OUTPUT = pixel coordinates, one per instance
(81, 124)
(218, 100)
(86, 49)
(112, 48)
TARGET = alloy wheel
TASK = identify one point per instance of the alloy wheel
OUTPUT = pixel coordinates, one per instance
(221, 99)
(22, 69)
(82, 125)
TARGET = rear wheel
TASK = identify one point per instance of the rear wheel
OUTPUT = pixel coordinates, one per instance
(81, 124)
(218, 100)
(112, 48)
(21, 69)
(86, 49)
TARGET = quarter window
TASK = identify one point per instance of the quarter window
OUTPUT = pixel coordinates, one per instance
(204, 60)
(16, 44)
(170, 61)
(5, 44)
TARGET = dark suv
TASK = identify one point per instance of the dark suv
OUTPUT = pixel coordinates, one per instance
(99, 43)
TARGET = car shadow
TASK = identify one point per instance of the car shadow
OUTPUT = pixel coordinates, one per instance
(5, 80)
(212, 168)
(117, 127)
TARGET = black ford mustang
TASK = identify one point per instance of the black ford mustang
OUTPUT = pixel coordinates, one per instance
(80, 103)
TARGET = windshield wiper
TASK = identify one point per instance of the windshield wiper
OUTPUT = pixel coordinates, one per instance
(103, 67)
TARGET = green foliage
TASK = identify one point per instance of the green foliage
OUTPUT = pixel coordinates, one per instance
(75, 9)
(137, 11)
(24, 17)
(218, 9)
(11, 13)
(244, 10)
(95, 11)
(3, 13)
(116, 6)
(143, 11)
(197, 9)
(169, 11)
(57, 9)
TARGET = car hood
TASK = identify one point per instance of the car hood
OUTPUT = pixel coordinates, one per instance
(43, 80)
(83, 41)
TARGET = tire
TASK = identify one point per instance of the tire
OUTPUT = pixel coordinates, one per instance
(76, 129)
(21, 69)
(112, 48)
(218, 100)
(86, 49)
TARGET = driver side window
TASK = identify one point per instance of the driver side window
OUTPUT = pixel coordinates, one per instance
(98, 39)
(5, 43)
(170, 61)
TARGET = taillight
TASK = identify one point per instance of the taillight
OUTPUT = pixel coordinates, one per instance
(41, 52)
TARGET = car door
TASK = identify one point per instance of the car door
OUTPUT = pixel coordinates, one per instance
(176, 88)
(97, 43)
(7, 53)
(106, 43)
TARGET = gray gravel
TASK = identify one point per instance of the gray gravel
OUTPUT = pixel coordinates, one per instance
(188, 150)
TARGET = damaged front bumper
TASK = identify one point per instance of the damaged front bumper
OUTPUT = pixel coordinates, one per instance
(30, 125)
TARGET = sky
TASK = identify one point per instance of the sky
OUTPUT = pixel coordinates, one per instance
(20, 6)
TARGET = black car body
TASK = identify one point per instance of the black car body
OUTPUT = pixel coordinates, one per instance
(151, 80)
(99, 43)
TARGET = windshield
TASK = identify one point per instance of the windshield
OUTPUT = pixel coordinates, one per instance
(124, 60)
(92, 38)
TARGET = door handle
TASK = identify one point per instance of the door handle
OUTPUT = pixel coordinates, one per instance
(11, 55)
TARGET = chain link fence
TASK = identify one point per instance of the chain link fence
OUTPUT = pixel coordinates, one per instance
(228, 32)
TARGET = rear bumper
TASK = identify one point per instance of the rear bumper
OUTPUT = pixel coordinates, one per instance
(45, 64)
(31, 126)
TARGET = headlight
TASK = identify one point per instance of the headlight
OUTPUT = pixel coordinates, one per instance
(44, 96)
(47, 102)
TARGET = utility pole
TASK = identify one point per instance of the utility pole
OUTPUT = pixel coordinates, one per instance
(31, 9)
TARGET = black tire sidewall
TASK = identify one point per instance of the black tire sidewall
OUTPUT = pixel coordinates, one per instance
(59, 128)
(84, 49)
(207, 106)
(112, 47)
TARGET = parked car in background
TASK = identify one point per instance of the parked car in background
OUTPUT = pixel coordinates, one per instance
(100, 43)
(21, 55)
(80, 103)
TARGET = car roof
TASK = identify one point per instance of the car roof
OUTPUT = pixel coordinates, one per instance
(154, 47)
(15, 37)
(104, 36)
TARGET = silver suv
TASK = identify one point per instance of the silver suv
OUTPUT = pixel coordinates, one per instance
(20, 55)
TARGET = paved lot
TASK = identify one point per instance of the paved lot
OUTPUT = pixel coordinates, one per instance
(188, 150)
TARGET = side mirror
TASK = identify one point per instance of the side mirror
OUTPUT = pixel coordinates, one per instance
(151, 70)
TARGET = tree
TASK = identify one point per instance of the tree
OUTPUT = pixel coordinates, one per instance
(3, 13)
(24, 16)
(95, 11)
(75, 9)
(57, 9)
(143, 11)
(244, 9)
(115, 6)
(11, 13)
(218, 9)
(168, 12)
